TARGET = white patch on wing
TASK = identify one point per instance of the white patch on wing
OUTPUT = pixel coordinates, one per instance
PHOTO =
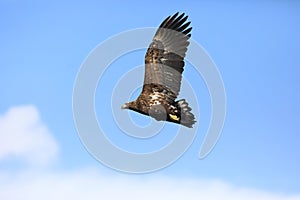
(155, 95)
(156, 102)
(155, 98)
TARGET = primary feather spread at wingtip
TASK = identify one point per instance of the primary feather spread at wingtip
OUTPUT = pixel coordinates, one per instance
(177, 23)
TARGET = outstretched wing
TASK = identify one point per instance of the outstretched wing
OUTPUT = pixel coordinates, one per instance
(164, 60)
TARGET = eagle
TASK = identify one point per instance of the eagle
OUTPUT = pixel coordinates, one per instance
(164, 63)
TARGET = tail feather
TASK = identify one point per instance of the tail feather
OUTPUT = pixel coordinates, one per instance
(187, 118)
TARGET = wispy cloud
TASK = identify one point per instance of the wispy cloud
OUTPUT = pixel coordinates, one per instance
(93, 185)
(23, 135)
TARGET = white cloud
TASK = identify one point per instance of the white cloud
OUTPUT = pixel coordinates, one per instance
(23, 135)
(93, 185)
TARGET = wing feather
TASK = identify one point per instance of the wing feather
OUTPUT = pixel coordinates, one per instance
(164, 60)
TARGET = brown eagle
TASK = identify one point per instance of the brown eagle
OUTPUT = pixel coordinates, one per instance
(164, 62)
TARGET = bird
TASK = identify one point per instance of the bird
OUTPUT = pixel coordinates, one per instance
(164, 65)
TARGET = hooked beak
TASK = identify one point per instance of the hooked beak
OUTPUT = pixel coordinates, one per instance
(125, 106)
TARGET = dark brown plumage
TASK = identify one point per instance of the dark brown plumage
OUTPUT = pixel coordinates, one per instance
(164, 62)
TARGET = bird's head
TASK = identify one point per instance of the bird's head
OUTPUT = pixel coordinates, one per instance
(135, 106)
(129, 105)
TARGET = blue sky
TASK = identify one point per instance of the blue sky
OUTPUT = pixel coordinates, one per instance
(255, 46)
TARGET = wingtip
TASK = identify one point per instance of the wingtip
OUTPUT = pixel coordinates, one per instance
(180, 16)
(177, 22)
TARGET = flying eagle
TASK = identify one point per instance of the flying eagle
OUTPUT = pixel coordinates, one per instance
(164, 62)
